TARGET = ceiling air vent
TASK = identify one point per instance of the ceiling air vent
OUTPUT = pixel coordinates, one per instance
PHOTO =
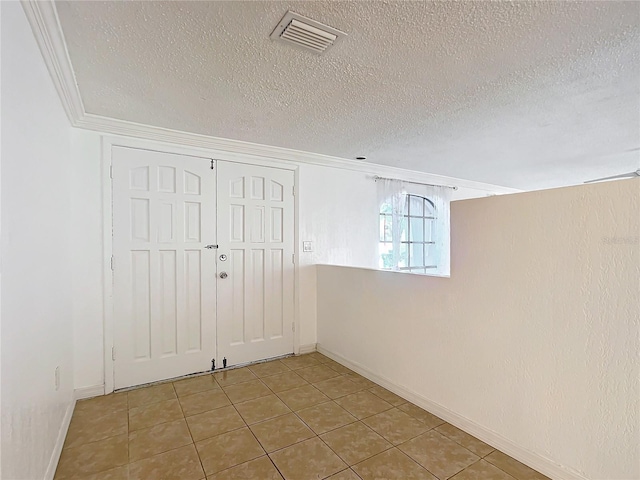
(303, 32)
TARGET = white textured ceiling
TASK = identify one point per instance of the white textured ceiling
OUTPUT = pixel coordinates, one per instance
(526, 95)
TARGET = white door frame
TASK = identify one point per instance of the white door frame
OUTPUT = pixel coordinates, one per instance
(108, 142)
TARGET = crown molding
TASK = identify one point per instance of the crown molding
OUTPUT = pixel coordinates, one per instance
(165, 135)
(43, 18)
(44, 21)
(186, 139)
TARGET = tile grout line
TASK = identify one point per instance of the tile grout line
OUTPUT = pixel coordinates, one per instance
(162, 423)
(363, 460)
(469, 466)
(366, 388)
(189, 428)
(128, 430)
(455, 441)
(297, 416)
(268, 454)
(96, 440)
(316, 435)
(446, 436)
(207, 411)
(291, 411)
(232, 404)
(257, 440)
(246, 425)
(432, 429)
(313, 431)
(420, 465)
(491, 463)
(159, 423)
(177, 397)
(392, 446)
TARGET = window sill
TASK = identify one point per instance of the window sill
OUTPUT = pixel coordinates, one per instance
(438, 275)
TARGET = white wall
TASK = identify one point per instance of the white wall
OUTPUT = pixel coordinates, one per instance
(336, 212)
(534, 340)
(86, 244)
(36, 333)
(1, 429)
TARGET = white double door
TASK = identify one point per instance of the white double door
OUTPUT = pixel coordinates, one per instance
(202, 264)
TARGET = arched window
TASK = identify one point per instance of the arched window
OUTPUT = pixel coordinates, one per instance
(415, 226)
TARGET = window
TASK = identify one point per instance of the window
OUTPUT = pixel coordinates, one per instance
(414, 227)
(416, 231)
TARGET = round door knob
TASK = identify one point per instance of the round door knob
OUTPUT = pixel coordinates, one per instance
(223, 275)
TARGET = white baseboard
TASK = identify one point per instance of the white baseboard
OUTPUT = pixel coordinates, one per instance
(308, 348)
(62, 435)
(88, 392)
(537, 462)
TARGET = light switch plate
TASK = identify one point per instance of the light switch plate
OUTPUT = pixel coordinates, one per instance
(307, 247)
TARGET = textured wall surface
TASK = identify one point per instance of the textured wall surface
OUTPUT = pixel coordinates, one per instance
(536, 335)
(521, 94)
(36, 331)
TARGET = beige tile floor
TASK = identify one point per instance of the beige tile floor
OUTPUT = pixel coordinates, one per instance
(299, 418)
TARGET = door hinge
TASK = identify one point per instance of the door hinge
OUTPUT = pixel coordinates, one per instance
(293, 258)
(113, 353)
(112, 262)
(110, 171)
(293, 189)
(213, 164)
(293, 327)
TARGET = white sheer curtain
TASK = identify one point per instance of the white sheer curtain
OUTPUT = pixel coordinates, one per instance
(441, 198)
(392, 202)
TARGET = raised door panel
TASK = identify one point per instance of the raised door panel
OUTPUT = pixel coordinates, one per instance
(164, 279)
(255, 232)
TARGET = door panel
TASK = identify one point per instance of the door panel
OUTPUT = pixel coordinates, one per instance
(164, 213)
(256, 233)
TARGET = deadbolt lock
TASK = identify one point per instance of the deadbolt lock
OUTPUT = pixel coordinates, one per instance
(223, 275)
(223, 257)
